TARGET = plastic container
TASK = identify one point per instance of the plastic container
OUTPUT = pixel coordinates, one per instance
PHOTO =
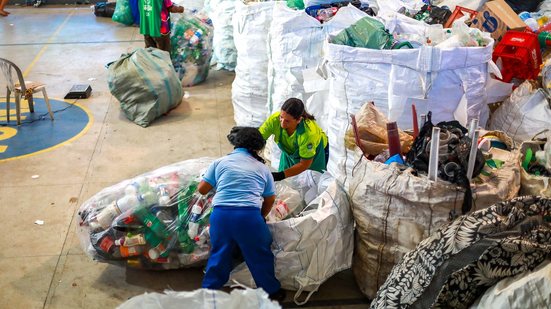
(544, 38)
(458, 13)
(106, 216)
(519, 54)
(529, 20)
(326, 14)
(193, 227)
(393, 139)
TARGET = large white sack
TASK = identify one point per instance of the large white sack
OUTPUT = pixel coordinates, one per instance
(251, 24)
(434, 79)
(189, 5)
(392, 6)
(527, 290)
(310, 249)
(202, 298)
(221, 13)
(469, 4)
(296, 44)
(295, 49)
(524, 114)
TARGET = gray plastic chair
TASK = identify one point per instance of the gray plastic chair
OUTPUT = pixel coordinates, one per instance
(21, 88)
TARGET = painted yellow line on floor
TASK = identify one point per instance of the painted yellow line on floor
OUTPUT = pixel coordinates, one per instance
(43, 49)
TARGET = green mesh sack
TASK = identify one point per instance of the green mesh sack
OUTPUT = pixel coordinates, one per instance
(123, 13)
(367, 33)
(145, 84)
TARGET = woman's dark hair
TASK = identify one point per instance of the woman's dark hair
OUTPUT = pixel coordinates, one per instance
(295, 108)
(248, 138)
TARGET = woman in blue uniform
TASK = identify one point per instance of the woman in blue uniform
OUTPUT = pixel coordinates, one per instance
(245, 193)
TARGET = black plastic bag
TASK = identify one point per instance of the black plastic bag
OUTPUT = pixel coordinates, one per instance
(104, 9)
(524, 5)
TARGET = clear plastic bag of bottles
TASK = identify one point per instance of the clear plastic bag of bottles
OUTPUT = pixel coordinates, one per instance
(191, 43)
(154, 221)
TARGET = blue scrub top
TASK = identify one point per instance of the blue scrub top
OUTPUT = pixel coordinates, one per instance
(240, 180)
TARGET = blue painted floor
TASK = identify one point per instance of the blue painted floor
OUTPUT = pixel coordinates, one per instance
(37, 131)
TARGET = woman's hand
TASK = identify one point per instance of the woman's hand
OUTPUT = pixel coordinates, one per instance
(267, 205)
(176, 9)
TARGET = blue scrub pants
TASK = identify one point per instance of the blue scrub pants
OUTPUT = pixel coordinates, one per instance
(243, 227)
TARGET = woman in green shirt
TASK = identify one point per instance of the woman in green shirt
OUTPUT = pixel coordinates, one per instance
(302, 142)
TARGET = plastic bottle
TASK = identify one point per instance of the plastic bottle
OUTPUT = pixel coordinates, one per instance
(151, 222)
(393, 139)
(544, 38)
(194, 40)
(193, 225)
(202, 238)
(529, 20)
(164, 196)
(183, 201)
(326, 14)
(106, 244)
(106, 216)
(155, 243)
(135, 240)
(123, 251)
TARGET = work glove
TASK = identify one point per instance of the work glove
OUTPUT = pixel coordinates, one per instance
(278, 176)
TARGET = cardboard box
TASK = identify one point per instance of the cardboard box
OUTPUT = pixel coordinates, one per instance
(496, 17)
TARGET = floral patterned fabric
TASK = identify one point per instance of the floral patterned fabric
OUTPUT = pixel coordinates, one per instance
(457, 263)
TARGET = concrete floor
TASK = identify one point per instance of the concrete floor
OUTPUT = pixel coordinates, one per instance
(43, 266)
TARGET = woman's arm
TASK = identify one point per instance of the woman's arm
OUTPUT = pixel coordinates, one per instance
(298, 168)
(267, 205)
(204, 187)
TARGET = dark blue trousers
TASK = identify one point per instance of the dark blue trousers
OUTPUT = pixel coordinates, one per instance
(243, 227)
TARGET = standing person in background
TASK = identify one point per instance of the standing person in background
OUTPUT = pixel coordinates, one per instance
(2, 6)
(302, 142)
(155, 22)
(245, 193)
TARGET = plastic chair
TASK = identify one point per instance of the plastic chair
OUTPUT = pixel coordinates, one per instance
(21, 88)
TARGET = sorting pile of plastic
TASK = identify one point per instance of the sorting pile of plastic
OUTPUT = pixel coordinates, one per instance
(191, 42)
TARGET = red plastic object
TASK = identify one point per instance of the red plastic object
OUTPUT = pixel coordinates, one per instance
(458, 13)
(393, 138)
(415, 123)
(520, 55)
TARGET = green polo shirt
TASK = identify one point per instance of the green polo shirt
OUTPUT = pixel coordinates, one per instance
(309, 136)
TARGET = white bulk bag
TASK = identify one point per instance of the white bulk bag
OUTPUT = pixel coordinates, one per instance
(202, 298)
(434, 79)
(251, 24)
(310, 249)
(295, 50)
(221, 13)
(524, 114)
(527, 290)
(296, 44)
